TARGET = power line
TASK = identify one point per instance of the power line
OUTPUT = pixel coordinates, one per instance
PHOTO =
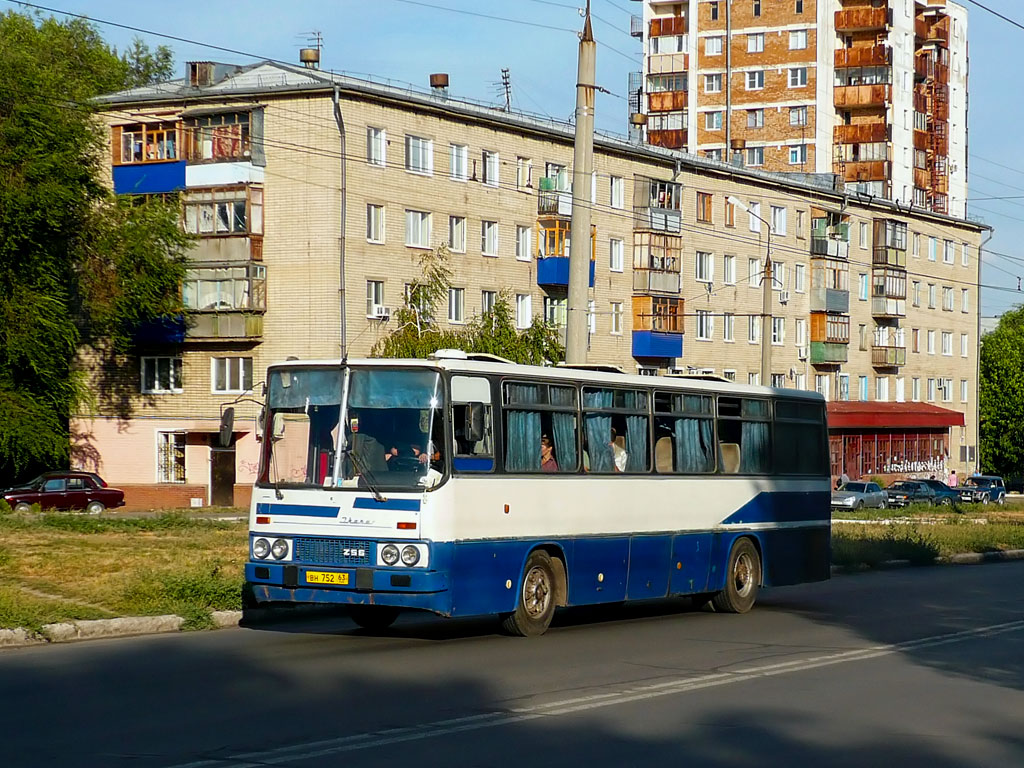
(1007, 19)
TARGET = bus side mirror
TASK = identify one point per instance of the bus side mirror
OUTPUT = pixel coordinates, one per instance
(473, 429)
(278, 426)
(227, 426)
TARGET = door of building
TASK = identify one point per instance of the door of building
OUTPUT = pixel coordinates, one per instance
(222, 477)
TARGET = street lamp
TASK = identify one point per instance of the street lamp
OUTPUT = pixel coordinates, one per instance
(766, 295)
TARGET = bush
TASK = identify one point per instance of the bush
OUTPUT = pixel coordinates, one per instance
(192, 594)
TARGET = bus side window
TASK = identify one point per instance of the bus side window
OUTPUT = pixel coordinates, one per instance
(684, 434)
(472, 424)
(744, 436)
(539, 414)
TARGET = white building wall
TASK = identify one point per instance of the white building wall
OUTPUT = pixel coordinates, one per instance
(958, 82)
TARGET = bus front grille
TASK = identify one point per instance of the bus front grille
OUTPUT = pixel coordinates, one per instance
(315, 550)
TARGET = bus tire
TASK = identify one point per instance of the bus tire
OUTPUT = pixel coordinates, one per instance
(373, 617)
(742, 578)
(535, 605)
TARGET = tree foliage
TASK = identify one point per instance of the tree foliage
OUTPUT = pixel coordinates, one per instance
(144, 66)
(418, 334)
(78, 266)
(1001, 396)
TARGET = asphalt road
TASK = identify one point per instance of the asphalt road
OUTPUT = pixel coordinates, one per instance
(915, 667)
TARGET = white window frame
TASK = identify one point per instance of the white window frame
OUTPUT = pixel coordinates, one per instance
(524, 242)
(173, 364)
(947, 343)
(798, 154)
(488, 237)
(616, 250)
(524, 173)
(797, 77)
(753, 329)
(456, 305)
(234, 375)
(617, 192)
(965, 300)
(457, 234)
(715, 81)
(778, 220)
(704, 267)
(173, 441)
(755, 156)
(615, 310)
(754, 81)
(799, 278)
(778, 331)
(524, 310)
(754, 273)
(755, 42)
(797, 39)
(797, 116)
(729, 269)
(713, 120)
(729, 327)
(705, 321)
(374, 297)
(491, 167)
(375, 231)
(487, 300)
(713, 45)
(417, 228)
(376, 146)
(423, 150)
(459, 162)
(964, 345)
(754, 216)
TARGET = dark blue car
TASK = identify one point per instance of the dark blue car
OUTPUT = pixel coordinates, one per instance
(944, 495)
(983, 489)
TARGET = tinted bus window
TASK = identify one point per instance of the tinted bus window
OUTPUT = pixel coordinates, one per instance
(615, 437)
(800, 439)
(540, 428)
(683, 433)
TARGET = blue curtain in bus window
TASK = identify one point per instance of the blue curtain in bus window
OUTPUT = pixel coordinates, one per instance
(636, 443)
(563, 427)
(522, 441)
(693, 445)
(754, 453)
(599, 430)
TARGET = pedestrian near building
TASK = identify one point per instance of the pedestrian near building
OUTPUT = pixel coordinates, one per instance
(952, 479)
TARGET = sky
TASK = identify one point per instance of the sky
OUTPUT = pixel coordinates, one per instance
(403, 41)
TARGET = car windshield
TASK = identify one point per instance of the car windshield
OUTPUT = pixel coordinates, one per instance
(392, 435)
(853, 487)
(980, 482)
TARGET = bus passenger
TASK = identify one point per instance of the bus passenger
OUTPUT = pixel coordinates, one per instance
(547, 455)
(619, 453)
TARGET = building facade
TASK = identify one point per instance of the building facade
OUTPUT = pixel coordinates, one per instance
(313, 198)
(872, 90)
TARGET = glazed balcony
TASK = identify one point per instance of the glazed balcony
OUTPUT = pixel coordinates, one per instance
(830, 247)
(888, 356)
(864, 133)
(827, 353)
(670, 25)
(656, 281)
(862, 19)
(669, 139)
(852, 96)
(867, 56)
(666, 101)
(888, 292)
(869, 170)
(657, 327)
(225, 324)
(830, 287)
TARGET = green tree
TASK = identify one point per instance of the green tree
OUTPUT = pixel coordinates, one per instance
(1001, 396)
(145, 66)
(79, 268)
(418, 334)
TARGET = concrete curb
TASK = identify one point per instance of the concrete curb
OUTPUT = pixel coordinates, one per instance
(66, 632)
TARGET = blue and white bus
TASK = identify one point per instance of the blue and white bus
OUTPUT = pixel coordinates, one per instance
(467, 486)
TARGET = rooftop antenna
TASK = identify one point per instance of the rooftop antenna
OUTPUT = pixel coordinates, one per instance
(507, 85)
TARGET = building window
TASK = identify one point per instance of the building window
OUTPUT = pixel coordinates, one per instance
(915, 389)
(375, 223)
(524, 310)
(457, 234)
(756, 8)
(863, 233)
(712, 46)
(704, 271)
(524, 173)
(947, 298)
(730, 214)
(822, 385)
(419, 155)
(704, 207)
(778, 380)
(223, 211)
(800, 6)
(965, 300)
(456, 305)
(489, 238)
(801, 331)
(523, 242)
(713, 10)
(728, 327)
(753, 329)
(713, 83)
(225, 136)
(798, 77)
(618, 195)
(729, 269)
(778, 331)
(917, 245)
(755, 80)
(933, 248)
(376, 146)
(417, 229)
(592, 317)
(948, 251)
(729, 374)
(616, 315)
(459, 162)
(963, 390)
(915, 340)
(754, 273)
(947, 343)
(799, 278)
(882, 388)
(778, 219)
(863, 279)
(555, 310)
(931, 342)
(947, 390)
(231, 374)
(615, 251)
(755, 157)
(798, 154)
(755, 42)
(965, 255)
(713, 121)
(147, 143)
(161, 375)
(915, 293)
(753, 379)
(931, 295)
(798, 116)
(863, 388)
(487, 301)
(491, 168)
(755, 118)
(374, 297)
(797, 39)
(170, 457)
(963, 345)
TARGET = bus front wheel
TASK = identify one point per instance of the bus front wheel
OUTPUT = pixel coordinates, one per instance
(535, 605)
(742, 578)
(373, 617)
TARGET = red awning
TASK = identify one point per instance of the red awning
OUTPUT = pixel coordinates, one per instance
(847, 415)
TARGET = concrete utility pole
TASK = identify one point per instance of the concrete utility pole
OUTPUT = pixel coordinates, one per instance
(579, 229)
(767, 279)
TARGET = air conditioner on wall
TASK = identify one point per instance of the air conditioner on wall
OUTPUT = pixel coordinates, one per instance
(382, 313)
(783, 297)
(801, 352)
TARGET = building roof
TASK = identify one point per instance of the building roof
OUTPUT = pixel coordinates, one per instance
(849, 415)
(274, 78)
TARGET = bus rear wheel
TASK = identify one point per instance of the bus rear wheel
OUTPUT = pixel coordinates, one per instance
(535, 606)
(373, 617)
(742, 578)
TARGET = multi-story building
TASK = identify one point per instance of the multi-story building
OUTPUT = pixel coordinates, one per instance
(872, 90)
(313, 197)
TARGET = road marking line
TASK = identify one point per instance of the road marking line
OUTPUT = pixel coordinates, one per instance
(312, 749)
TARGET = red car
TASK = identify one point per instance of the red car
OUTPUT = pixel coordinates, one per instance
(65, 490)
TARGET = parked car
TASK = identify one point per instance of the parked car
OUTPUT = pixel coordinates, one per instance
(905, 492)
(944, 495)
(65, 490)
(858, 495)
(983, 489)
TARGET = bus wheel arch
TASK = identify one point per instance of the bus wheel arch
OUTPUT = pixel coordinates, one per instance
(561, 574)
(536, 596)
(744, 575)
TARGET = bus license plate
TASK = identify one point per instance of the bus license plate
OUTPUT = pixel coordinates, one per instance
(323, 577)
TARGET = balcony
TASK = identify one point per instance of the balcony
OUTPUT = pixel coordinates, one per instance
(656, 281)
(225, 325)
(657, 327)
(887, 256)
(862, 19)
(162, 330)
(671, 25)
(553, 202)
(554, 270)
(884, 306)
(868, 170)
(830, 247)
(888, 356)
(864, 133)
(868, 56)
(636, 26)
(149, 178)
(666, 101)
(829, 300)
(922, 178)
(826, 353)
(873, 95)
(669, 139)
(658, 219)
(921, 26)
(226, 249)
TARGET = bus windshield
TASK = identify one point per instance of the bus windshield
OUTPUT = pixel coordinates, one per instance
(392, 436)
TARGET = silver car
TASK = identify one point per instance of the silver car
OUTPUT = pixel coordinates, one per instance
(859, 495)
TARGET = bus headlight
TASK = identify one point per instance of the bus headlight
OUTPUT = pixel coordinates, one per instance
(389, 554)
(279, 549)
(260, 549)
(410, 555)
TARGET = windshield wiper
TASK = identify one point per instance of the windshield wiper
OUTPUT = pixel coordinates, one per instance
(368, 476)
